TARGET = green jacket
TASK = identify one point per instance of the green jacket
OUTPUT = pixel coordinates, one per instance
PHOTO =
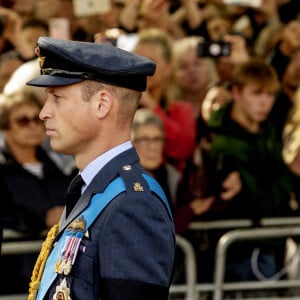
(266, 182)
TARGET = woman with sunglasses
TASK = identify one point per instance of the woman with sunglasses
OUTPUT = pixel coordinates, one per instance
(32, 186)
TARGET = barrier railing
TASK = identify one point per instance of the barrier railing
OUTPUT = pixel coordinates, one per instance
(244, 235)
(10, 247)
(189, 289)
(288, 226)
(268, 228)
(243, 223)
(282, 227)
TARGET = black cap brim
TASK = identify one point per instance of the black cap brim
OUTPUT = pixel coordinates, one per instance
(49, 80)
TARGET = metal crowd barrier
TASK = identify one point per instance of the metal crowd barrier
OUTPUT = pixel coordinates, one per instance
(188, 289)
(10, 247)
(238, 230)
(244, 235)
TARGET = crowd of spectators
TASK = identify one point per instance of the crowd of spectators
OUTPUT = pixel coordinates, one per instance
(205, 51)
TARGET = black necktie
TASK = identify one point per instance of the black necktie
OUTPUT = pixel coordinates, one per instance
(74, 193)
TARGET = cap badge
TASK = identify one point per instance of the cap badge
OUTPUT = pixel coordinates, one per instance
(41, 58)
(138, 187)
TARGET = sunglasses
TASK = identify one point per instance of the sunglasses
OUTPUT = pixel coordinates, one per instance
(24, 121)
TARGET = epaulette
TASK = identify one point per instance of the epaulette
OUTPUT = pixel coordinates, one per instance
(138, 181)
(134, 181)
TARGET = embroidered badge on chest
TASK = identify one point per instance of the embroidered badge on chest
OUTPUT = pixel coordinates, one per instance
(62, 292)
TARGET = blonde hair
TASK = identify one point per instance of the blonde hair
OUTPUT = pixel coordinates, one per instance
(160, 37)
(163, 39)
(291, 131)
(294, 116)
(181, 46)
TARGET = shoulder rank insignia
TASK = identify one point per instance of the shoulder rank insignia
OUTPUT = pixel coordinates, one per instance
(138, 187)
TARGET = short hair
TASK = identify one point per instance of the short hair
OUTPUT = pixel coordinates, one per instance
(160, 37)
(257, 72)
(128, 99)
(9, 102)
(221, 13)
(35, 23)
(145, 116)
(182, 45)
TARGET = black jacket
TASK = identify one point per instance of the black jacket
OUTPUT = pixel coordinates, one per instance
(25, 198)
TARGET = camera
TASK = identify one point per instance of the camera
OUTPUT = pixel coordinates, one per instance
(213, 49)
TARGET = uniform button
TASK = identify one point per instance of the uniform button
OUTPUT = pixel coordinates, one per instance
(127, 167)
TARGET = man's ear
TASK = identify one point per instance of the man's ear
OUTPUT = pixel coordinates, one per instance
(104, 102)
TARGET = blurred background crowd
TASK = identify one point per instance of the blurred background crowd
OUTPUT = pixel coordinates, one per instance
(218, 125)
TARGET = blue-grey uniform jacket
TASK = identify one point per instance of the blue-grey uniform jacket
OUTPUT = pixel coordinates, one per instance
(129, 250)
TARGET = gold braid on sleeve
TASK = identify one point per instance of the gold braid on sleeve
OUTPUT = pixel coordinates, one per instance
(40, 262)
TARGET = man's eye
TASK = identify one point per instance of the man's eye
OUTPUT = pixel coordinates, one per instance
(56, 97)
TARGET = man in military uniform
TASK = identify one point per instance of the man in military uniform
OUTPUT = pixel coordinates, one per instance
(115, 240)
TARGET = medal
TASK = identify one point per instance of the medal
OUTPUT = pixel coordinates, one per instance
(74, 235)
(62, 292)
(63, 266)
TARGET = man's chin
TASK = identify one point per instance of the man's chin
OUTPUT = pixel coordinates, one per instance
(58, 148)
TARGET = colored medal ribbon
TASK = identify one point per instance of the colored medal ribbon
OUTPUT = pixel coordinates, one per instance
(74, 235)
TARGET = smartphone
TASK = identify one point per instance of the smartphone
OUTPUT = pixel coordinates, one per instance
(85, 8)
(213, 49)
(217, 172)
(59, 28)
